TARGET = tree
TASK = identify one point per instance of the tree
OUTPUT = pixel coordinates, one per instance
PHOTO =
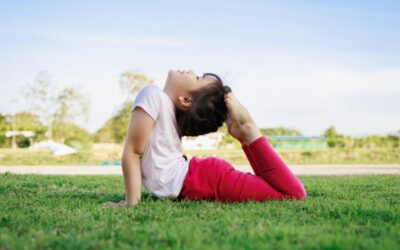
(280, 131)
(71, 105)
(72, 135)
(41, 96)
(131, 82)
(115, 129)
(336, 140)
(53, 106)
(5, 126)
(227, 139)
(26, 121)
(331, 132)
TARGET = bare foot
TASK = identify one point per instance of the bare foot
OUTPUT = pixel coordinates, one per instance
(239, 122)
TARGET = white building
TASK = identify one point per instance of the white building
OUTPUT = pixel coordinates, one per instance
(202, 142)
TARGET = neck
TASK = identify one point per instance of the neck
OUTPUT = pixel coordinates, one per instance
(171, 95)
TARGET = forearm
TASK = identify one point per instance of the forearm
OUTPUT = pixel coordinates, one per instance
(250, 133)
(132, 177)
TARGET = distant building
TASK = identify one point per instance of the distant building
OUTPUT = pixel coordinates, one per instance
(27, 134)
(298, 142)
(203, 142)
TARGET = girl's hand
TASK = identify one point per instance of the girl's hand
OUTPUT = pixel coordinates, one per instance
(120, 204)
(239, 122)
(237, 118)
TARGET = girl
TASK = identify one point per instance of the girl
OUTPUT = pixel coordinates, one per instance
(190, 105)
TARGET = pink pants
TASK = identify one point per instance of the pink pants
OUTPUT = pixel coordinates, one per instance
(212, 178)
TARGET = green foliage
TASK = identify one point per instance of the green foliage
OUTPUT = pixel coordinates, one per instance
(67, 133)
(130, 83)
(42, 97)
(22, 141)
(28, 121)
(64, 212)
(4, 127)
(55, 106)
(280, 131)
(227, 139)
(116, 128)
(24, 121)
(336, 140)
(72, 135)
(325, 156)
(71, 104)
(376, 141)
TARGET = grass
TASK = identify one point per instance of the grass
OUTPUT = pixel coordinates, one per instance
(324, 156)
(234, 156)
(39, 212)
(44, 157)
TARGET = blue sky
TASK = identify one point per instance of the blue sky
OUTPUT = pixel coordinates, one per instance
(301, 64)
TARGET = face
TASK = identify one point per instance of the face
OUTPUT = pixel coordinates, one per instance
(187, 81)
(182, 83)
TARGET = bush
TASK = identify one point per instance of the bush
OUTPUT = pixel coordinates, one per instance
(72, 136)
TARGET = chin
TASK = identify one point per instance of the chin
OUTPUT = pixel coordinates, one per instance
(171, 76)
(172, 72)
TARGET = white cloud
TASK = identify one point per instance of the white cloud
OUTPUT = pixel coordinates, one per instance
(343, 82)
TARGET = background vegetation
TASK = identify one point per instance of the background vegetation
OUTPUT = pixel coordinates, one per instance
(55, 113)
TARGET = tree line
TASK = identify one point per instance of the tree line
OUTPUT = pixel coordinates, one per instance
(54, 113)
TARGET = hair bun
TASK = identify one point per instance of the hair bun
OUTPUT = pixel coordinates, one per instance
(227, 89)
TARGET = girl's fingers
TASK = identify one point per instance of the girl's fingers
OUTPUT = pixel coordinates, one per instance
(110, 204)
(122, 203)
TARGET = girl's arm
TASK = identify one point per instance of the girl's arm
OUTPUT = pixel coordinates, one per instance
(138, 136)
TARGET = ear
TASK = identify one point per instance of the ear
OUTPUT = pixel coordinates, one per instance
(185, 101)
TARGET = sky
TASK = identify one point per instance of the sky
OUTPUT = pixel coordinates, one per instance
(300, 64)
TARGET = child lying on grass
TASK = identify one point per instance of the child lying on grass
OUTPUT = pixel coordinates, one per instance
(191, 105)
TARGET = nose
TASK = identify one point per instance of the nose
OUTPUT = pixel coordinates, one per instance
(185, 72)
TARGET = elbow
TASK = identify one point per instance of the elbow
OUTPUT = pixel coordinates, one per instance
(130, 154)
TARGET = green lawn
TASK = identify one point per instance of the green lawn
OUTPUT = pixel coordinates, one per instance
(235, 156)
(64, 212)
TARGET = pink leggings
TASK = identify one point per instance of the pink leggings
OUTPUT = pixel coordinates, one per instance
(212, 178)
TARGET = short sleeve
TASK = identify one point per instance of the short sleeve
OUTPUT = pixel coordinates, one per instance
(148, 98)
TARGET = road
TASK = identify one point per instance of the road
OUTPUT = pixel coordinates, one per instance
(305, 170)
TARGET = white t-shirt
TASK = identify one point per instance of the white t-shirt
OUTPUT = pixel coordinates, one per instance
(163, 166)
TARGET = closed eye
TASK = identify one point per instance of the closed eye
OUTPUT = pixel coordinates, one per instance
(204, 75)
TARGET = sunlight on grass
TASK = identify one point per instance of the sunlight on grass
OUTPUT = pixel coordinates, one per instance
(65, 212)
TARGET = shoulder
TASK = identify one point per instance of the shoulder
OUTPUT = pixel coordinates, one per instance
(149, 98)
(150, 90)
(149, 93)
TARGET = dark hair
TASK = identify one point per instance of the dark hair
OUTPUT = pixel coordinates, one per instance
(207, 112)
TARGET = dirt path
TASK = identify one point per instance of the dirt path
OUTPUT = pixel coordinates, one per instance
(307, 170)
